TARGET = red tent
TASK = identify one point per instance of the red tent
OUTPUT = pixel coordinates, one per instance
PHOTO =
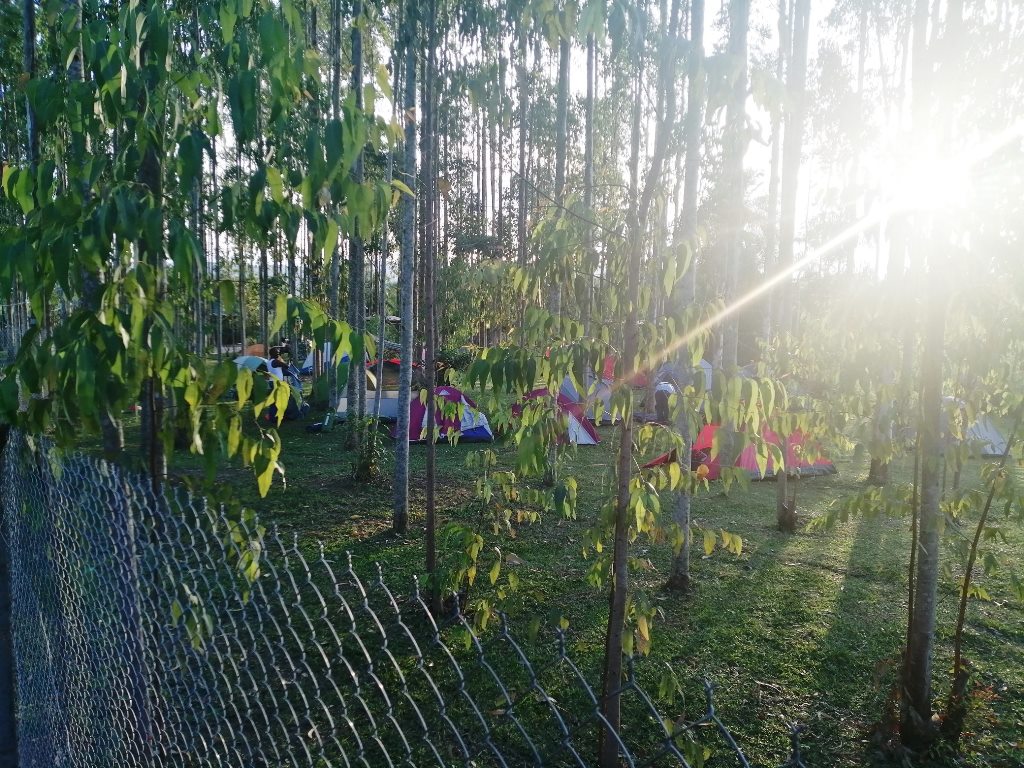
(639, 379)
(471, 427)
(580, 430)
(801, 454)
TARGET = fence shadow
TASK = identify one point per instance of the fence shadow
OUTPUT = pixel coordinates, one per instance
(157, 630)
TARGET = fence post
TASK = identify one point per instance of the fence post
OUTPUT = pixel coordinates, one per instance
(8, 704)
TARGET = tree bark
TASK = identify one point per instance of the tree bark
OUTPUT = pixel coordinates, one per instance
(608, 751)
(679, 574)
(771, 258)
(385, 248)
(406, 277)
(561, 142)
(524, 85)
(151, 251)
(734, 145)
(28, 19)
(588, 181)
(956, 707)
(917, 727)
(429, 186)
(357, 366)
(334, 275)
(792, 149)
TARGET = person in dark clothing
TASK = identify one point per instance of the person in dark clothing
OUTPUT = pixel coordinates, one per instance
(663, 390)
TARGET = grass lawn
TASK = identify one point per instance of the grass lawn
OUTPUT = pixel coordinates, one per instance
(804, 628)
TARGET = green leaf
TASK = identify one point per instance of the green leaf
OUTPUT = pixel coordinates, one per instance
(226, 291)
(276, 185)
(401, 186)
(331, 240)
(282, 394)
(228, 17)
(280, 313)
(244, 386)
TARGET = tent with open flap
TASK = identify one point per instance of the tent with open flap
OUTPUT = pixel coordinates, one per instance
(803, 455)
(455, 416)
(984, 434)
(579, 431)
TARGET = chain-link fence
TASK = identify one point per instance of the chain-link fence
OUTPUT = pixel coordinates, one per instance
(155, 630)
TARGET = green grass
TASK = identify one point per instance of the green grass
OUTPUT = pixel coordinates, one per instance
(804, 628)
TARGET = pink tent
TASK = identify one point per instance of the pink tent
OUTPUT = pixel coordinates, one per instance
(580, 431)
(466, 421)
(802, 455)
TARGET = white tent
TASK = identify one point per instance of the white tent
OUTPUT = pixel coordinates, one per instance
(308, 363)
(579, 432)
(598, 394)
(984, 433)
(683, 375)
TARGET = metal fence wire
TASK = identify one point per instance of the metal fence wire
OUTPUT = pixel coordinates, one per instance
(155, 630)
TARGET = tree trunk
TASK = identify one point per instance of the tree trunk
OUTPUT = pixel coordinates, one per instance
(524, 85)
(334, 276)
(428, 186)
(385, 249)
(406, 276)
(771, 258)
(792, 150)
(588, 182)
(28, 18)
(917, 727)
(561, 141)
(216, 258)
(956, 707)
(357, 365)
(151, 251)
(734, 145)
(608, 751)
(679, 575)
(92, 289)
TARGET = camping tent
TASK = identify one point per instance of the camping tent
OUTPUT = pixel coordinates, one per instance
(579, 431)
(982, 435)
(598, 392)
(466, 422)
(296, 407)
(801, 454)
(307, 364)
(985, 434)
(682, 375)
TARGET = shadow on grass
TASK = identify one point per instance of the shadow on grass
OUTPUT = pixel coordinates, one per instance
(857, 657)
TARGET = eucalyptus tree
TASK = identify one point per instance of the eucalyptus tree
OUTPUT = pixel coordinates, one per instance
(407, 225)
(792, 153)
(686, 289)
(356, 266)
(734, 146)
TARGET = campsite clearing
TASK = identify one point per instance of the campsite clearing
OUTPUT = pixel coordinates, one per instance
(804, 628)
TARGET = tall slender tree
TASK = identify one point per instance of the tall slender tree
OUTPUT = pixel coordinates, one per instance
(917, 727)
(637, 221)
(428, 186)
(407, 263)
(686, 291)
(357, 258)
(792, 152)
(734, 147)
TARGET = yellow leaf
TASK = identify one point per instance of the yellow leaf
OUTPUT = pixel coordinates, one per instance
(642, 627)
(709, 542)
